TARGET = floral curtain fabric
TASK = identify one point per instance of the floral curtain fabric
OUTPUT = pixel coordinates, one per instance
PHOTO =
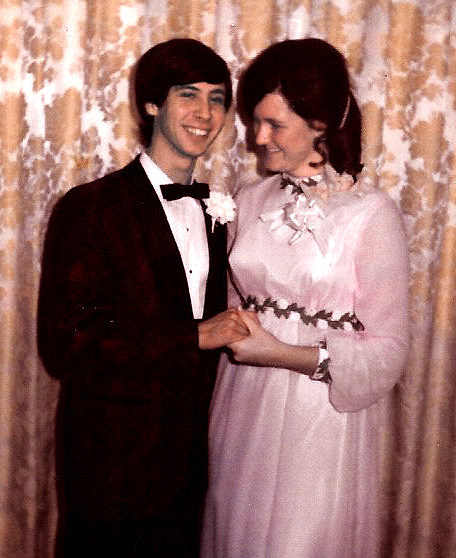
(65, 118)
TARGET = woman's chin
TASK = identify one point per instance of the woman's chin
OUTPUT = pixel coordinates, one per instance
(271, 166)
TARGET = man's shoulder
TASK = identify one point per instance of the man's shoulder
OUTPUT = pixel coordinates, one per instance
(106, 190)
(117, 178)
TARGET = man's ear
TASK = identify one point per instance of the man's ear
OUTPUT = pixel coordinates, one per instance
(151, 109)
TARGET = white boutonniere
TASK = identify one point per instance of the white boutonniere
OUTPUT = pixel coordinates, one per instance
(221, 207)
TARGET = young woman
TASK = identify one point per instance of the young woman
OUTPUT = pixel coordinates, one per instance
(319, 258)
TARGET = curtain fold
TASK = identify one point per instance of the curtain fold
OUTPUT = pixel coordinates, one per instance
(66, 118)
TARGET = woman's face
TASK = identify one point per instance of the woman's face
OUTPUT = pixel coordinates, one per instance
(286, 140)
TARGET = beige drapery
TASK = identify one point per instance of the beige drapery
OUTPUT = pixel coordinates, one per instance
(65, 119)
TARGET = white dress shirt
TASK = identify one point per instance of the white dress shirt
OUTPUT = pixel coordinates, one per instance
(186, 220)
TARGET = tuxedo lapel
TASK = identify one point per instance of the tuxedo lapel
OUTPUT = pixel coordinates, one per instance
(162, 251)
(216, 282)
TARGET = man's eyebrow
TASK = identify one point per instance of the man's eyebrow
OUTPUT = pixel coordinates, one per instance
(218, 91)
(186, 86)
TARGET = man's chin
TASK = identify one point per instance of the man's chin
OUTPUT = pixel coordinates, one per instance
(197, 151)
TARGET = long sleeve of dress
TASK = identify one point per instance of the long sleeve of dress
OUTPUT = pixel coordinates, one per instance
(365, 365)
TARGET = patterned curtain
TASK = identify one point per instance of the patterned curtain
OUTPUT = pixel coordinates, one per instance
(65, 119)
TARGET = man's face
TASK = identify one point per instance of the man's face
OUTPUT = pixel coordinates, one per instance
(187, 123)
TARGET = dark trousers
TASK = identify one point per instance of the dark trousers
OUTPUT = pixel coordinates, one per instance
(137, 539)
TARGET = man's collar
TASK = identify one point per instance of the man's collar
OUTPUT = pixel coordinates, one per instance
(153, 171)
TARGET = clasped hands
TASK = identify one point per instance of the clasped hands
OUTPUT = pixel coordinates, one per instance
(240, 331)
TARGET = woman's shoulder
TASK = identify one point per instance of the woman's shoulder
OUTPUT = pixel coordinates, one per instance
(254, 195)
(364, 193)
(254, 185)
(362, 204)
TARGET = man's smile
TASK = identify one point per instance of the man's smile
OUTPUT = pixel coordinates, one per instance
(197, 131)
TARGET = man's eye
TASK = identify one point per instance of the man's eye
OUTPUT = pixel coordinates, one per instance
(219, 100)
(188, 94)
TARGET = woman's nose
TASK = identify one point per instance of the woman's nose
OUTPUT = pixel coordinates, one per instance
(262, 134)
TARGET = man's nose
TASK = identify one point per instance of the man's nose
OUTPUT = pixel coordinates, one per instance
(204, 109)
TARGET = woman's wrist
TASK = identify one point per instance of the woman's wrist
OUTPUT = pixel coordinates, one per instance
(299, 358)
(313, 361)
(321, 372)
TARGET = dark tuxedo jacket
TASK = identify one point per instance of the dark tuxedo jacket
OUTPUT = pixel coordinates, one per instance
(115, 324)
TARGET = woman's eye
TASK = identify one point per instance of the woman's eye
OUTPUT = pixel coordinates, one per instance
(218, 100)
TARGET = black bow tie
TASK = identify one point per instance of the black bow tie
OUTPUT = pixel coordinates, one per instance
(197, 190)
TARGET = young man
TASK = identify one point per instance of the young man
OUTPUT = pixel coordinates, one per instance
(132, 306)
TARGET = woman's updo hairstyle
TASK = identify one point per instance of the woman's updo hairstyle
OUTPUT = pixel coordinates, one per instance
(312, 75)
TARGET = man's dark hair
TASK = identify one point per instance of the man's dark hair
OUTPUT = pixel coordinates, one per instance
(175, 62)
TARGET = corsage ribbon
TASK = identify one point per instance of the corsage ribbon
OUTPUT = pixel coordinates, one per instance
(307, 210)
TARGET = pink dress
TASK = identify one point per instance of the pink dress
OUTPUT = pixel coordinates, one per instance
(294, 462)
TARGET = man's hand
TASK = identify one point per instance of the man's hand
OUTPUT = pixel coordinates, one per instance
(222, 329)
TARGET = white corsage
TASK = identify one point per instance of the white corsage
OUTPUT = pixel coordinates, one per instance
(302, 214)
(221, 207)
(307, 208)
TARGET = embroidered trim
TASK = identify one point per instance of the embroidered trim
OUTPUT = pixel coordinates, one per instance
(347, 321)
(298, 184)
(321, 373)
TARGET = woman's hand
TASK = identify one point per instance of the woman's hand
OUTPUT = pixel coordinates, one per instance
(221, 330)
(261, 348)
